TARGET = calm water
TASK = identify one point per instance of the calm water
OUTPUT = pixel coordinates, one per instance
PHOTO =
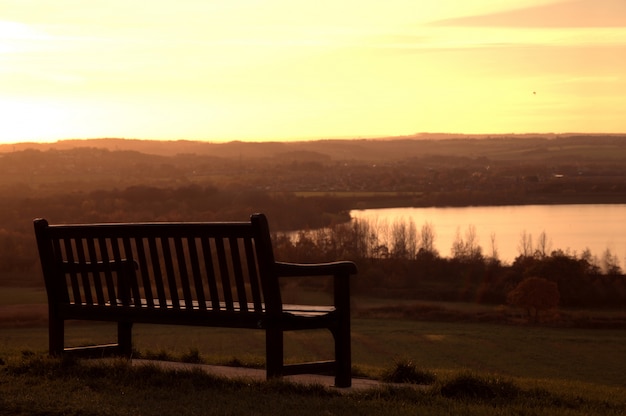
(567, 227)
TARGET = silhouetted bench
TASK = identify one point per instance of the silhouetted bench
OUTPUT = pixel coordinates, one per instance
(219, 274)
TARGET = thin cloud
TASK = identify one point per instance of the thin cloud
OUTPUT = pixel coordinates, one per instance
(577, 13)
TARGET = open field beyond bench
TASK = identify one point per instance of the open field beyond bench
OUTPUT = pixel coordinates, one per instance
(220, 274)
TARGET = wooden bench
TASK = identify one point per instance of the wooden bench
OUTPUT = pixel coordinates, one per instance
(217, 274)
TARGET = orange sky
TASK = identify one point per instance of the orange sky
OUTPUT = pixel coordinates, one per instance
(280, 70)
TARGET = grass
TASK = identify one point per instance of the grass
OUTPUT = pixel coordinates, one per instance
(594, 356)
(32, 384)
(22, 295)
(467, 367)
(405, 371)
(580, 355)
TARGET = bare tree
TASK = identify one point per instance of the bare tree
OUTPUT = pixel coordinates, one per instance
(457, 245)
(494, 246)
(593, 264)
(404, 241)
(525, 246)
(427, 238)
(468, 248)
(376, 235)
(610, 263)
(543, 245)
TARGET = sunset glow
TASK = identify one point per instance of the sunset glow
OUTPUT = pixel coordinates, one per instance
(282, 70)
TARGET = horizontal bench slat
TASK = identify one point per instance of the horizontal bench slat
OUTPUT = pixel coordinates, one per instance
(148, 230)
(304, 310)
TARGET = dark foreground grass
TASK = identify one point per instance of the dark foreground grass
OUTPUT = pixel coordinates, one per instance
(33, 384)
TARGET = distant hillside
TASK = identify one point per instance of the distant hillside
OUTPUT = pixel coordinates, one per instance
(495, 147)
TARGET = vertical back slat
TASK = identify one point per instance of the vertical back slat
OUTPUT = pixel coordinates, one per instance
(97, 281)
(242, 298)
(108, 276)
(69, 253)
(169, 271)
(207, 256)
(80, 254)
(224, 274)
(60, 287)
(183, 274)
(156, 270)
(129, 269)
(123, 285)
(145, 274)
(253, 275)
(195, 270)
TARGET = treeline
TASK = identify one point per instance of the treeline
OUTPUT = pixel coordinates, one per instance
(399, 261)
(408, 267)
(477, 176)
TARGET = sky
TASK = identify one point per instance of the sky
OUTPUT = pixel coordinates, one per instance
(257, 70)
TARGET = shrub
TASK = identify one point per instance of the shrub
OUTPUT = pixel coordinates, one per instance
(467, 386)
(405, 371)
(192, 357)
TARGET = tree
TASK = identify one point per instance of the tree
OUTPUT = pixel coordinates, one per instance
(525, 245)
(403, 239)
(468, 249)
(610, 263)
(494, 247)
(535, 294)
(543, 245)
(427, 239)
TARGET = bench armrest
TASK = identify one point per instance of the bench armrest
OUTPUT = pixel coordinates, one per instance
(340, 272)
(337, 268)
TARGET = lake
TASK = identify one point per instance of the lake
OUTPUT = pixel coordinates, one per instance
(567, 227)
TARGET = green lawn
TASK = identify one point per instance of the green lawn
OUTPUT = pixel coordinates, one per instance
(22, 295)
(580, 355)
(480, 369)
(554, 371)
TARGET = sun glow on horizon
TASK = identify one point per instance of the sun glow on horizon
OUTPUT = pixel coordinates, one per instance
(281, 70)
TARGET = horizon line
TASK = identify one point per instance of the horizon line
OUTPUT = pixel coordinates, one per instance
(424, 135)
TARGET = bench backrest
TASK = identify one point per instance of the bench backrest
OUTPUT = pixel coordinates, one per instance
(219, 266)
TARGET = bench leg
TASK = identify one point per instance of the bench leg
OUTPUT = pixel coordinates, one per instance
(343, 354)
(343, 376)
(125, 338)
(56, 336)
(274, 352)
(341, 332)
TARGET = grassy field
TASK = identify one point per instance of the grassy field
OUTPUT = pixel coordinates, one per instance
(34, 385)
(578, 355)
(479, 368)
(22, 296)
(581, 355)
